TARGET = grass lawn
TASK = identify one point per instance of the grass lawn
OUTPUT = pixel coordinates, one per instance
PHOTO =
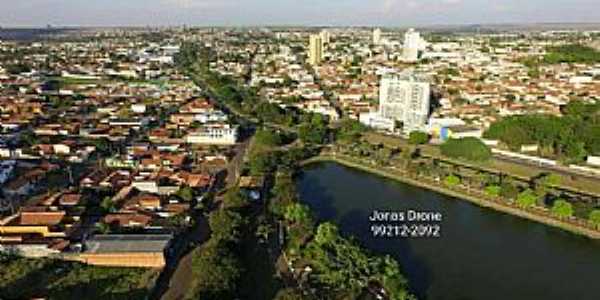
(23, 278)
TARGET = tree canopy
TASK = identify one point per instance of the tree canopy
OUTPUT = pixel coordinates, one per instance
(572, 53)
(562, 208)
(418, 138)
(570, 137)
(527, 198)
(469, 148)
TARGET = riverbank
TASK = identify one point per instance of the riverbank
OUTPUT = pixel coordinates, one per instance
(464, 193)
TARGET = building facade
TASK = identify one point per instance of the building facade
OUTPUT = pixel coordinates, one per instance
(377, 36)
(315, 50)
(405, 98)
(217, 134)
(412, 44)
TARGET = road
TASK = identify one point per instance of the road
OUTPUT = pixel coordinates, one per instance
(557, 169)
(235, 165)
(174, 279)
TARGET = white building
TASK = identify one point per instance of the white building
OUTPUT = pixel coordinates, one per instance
(376, 121)
(213, 134)
(405, 98)
(315, 50)
(413, 43)
(377, 36)
(325, 37)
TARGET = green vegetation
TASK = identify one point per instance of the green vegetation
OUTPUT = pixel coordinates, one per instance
(343, 269)
(471, 149)
(216, 271)
(574, 53)
(527, 199)
(493, 190)
(594, 217)
(562, 208)
(350, 130)
(313, 130)
(452, 180)
(268, 138)
(215, 265)
(24, 278)
(418, 138)
(186, 193)
(569, 138)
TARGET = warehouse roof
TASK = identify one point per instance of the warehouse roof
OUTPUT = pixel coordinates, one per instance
(127, 243)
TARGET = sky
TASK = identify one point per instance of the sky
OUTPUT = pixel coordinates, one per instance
(37, 13)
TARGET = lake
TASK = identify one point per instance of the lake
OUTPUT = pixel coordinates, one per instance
(480, 254)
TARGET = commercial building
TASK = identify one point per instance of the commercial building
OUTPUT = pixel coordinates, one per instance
(126, 250)
(405, 98)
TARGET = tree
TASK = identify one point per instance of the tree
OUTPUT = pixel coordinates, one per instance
(313, 129)
(344, 268)
(262, 162)
(216, 273)
(225, 225)
(526, 199)
(326, 233)
(291, 294)
(469, 148)
(297, 213)
(186, 193)
(234, 199)
(350, 130)
(493, 190)
(508, 190)
(418, 138)
(452, 180)
(268, 138)
(108, 205)
(594, 217)
(562, 208)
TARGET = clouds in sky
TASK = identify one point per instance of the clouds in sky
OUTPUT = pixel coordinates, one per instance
(293, 12)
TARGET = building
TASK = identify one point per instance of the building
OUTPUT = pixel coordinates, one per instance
(405, 98)
(377, 36)
(213, 134)
(126, 250)
(376, 121)
(412, 44)
(325, 37)
(315, 50)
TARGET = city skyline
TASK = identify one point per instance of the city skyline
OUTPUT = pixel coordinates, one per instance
(385, 13)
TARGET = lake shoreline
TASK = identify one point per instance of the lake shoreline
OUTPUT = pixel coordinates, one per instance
(459, 193)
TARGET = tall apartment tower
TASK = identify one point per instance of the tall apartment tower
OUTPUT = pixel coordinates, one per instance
(315, 50)
(412, 45)
(377, 36)
(325, 37)
(405, 98)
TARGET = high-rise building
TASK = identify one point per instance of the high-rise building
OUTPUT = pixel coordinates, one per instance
(377, 36)
(315, 50)
(405, 98)
(412, 44)
(325, 37)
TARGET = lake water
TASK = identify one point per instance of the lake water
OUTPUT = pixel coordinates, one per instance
(481, 254)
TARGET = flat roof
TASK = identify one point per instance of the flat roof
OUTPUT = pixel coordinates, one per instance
(125, 243)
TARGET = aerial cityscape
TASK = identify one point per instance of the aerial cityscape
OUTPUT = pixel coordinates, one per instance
(253, 149)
